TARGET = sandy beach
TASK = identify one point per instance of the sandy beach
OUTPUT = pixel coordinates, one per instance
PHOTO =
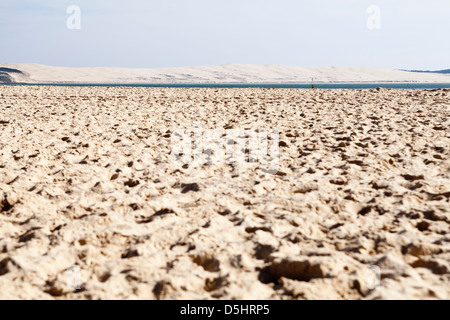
(93, 205)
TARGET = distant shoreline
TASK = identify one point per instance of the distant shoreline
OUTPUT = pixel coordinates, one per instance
(428, 71)
(318, 85)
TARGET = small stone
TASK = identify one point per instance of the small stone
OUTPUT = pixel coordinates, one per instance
(132, 183)
(423, 226)
(190, 187)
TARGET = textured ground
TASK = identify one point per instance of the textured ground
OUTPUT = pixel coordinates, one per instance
(89, 191)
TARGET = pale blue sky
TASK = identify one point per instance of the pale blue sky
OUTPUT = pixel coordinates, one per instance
(171, 33)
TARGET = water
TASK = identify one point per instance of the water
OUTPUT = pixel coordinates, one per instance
(265, 85)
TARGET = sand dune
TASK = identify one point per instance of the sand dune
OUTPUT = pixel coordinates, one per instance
(233, 73)
(90, 195)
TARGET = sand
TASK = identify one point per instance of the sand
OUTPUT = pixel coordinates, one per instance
(230, 73)
(93, 206)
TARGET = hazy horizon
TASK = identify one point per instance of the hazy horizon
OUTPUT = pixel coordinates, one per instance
(223, 64)
(140, 34)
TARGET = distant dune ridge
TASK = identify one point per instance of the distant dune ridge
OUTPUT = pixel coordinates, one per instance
(5, 74)
(231, 73)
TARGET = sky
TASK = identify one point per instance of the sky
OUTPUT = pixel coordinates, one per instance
(406, 34)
